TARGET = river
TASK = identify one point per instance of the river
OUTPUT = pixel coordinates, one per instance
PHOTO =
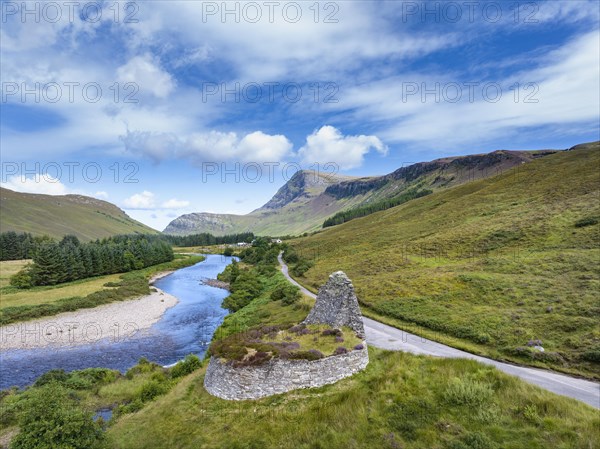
(184, 329)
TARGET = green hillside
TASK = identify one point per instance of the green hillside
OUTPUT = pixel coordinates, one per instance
(56, 216)
(399, 401)
(491, 265)
(309, 197)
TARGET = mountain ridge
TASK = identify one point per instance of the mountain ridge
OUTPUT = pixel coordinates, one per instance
(308, 198)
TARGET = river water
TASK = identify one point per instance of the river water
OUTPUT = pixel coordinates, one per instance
(186, 328)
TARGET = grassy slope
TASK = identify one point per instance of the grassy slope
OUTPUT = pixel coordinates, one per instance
(492, 263)
(87, 218)
(399, 401)
(307, 212)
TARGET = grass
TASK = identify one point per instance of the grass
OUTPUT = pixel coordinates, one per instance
(399, 401)
(20, 305)
(259, 345)
(487, 266)
(56, 216)
(7, 269)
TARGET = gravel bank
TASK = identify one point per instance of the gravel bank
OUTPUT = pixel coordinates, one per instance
(111, 322)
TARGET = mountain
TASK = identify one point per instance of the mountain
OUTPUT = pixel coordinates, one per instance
(87, 218)
(309, 197)
(490, 265)
(298, 206)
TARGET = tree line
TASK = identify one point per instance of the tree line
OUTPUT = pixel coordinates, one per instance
(15, 246)
(206, 239)
(69, 260)
(363, 211)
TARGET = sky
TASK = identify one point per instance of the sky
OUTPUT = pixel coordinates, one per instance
(171, 107)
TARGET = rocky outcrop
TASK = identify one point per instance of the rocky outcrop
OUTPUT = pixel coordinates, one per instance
(337, 305)
(279, 376)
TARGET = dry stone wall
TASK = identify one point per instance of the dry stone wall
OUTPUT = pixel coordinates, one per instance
(336, 306)
(279, 376)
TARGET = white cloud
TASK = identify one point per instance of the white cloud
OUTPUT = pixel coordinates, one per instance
(41, 183)
(567, 95)
(144, 200)
(145, 72)
(254, 147)
(209, 146)
(329, 145)
(174, 203)
(101, 195)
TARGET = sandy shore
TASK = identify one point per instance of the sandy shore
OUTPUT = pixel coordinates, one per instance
(112, 322)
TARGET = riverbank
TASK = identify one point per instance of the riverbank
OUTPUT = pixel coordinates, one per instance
(112, 322)
(217, 284)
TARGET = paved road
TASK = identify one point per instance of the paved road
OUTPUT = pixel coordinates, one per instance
(387, 337)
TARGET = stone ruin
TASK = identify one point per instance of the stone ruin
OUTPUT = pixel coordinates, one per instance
(337, 305)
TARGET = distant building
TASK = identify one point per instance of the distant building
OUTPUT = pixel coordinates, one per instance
(275, 240)
(243, 244)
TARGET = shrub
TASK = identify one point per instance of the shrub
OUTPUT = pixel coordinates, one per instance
(592, 355)
(333, 332)
(311, 354)
(22, 279)
(186, 366)
(301, 267)
(54, 375)
(152, 389)
(286, 293)
(474, 440)
(340, 350)
(112, 284)
(228, 251)
(50, 418)
(587, 221)
(467, 392)
(359, 347)
(91, 377)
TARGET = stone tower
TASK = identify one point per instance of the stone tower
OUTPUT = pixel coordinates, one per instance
(337, 305)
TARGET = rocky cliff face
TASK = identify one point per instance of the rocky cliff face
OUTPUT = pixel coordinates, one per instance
(309, 197)
(337, 305)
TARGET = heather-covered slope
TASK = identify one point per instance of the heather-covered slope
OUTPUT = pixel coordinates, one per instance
(495, 264)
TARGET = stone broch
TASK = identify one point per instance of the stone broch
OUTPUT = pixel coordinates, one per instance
(337, 305)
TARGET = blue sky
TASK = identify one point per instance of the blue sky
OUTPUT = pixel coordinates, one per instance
(165, 108)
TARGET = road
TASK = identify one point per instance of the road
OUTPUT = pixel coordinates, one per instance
(387, 337)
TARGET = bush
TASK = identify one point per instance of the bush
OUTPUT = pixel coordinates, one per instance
(311, 354)
(592, 355)
(301, 268)
(286, 293)
(152, 389)
(190, 364)
(22, 279)
(340, 350)
(54, 375)
(587, 221)
(332, 332)
(228, 251)
(49, 418)
(468, 392)
(475, 440)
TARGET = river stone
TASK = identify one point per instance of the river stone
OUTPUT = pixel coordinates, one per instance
(337, 305)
